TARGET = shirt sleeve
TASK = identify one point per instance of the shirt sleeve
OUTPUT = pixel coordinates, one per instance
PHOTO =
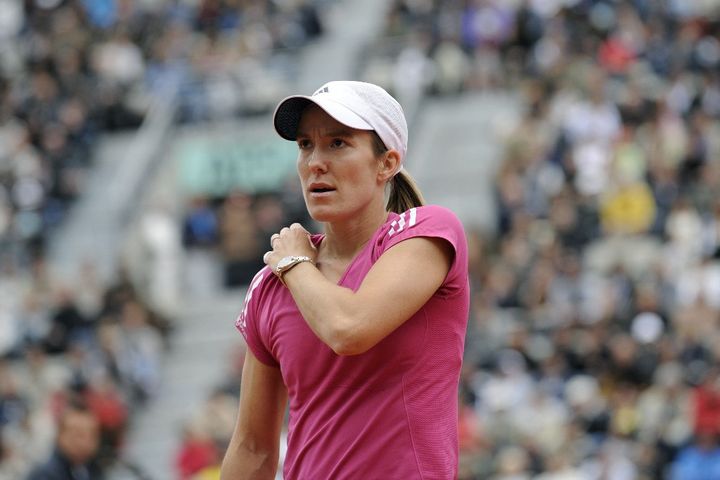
(250, 318)
(436, 222)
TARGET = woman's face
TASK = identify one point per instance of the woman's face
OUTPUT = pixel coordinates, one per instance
(338, 169)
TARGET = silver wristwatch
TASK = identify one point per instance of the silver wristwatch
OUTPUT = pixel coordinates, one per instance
(286, 263)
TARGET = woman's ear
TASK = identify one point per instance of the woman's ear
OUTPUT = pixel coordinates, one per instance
(389, 165)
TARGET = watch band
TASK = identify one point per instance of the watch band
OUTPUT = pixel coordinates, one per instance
(287, 263)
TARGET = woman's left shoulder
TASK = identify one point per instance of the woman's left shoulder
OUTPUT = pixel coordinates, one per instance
(437, 210)
(426, 220)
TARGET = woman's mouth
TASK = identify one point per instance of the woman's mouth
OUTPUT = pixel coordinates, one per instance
(320, 190)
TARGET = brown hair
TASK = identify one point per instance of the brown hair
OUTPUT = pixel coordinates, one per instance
(404, 191)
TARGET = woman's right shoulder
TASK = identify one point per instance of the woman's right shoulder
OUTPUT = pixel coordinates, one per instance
(253, 320)
(258, 288)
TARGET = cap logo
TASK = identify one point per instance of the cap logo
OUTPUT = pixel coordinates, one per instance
(321, 90)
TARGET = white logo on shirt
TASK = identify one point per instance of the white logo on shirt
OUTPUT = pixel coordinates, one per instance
(398, 225)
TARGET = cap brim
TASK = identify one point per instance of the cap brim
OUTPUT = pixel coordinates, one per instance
(289, 112)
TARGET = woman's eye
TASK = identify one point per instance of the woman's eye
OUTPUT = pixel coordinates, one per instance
(303, 143)
(337, 143)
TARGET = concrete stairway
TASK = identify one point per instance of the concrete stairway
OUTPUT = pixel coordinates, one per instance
(454, 152)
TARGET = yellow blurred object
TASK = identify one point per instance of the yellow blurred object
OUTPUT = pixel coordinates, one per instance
(208, 473)
(628, 209)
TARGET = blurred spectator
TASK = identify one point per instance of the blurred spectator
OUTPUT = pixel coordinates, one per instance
(200, 227)
(706, 405)
(161, 244)
(245, 223)
(118, 61)
(217, 417)
(14, 406)
(77, 444)
(139, 352)
(698, 461)
(104, 399)
(196, 453)
(68, 324)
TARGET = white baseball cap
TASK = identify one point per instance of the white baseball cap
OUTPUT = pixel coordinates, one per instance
(359, 105)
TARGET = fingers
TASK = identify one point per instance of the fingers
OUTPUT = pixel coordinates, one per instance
(285, 235)
(294, 240)
(285, 231)
(299, 227)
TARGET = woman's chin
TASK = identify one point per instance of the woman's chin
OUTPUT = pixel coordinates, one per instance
(324, 214)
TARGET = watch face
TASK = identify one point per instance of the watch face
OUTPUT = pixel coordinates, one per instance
(285, 262)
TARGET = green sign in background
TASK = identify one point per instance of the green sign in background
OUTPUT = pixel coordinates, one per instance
(218, 166)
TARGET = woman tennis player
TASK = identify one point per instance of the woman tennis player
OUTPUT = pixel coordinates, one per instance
(359, 329)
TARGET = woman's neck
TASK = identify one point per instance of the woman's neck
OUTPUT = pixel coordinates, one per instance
(343, 240)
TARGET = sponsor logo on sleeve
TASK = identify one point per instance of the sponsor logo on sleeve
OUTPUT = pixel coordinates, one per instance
(401, 223)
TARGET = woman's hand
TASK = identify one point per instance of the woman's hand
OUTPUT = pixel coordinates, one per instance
(293, 240)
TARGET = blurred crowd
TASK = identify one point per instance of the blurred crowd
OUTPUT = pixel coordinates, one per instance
(79, 355)
(236, 227)
(72, 69)
(81, 347)
(593, 346)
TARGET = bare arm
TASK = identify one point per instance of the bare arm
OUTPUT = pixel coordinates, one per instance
(397, 286)
(254, 447)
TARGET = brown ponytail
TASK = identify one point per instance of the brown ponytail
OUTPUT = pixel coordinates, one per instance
(404, 191)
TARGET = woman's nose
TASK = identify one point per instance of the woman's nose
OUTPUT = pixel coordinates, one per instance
(317, 161)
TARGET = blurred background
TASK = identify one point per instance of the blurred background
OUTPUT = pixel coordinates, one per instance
(140, 179)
